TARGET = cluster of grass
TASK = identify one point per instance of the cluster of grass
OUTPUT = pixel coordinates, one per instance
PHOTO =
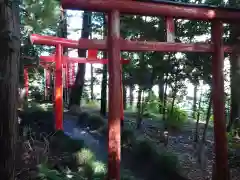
(73, 160)
(93, 121)
(91, 104)
(144, 154)
(176, 118)
(81, 164)
(165, 163)
(86, 167)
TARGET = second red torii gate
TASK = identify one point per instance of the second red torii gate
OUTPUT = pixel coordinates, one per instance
(61, 61)
(44, 65)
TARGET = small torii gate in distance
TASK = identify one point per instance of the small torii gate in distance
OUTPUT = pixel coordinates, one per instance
(44, 65)
(60, 62)
(91, 59)
(115, 44)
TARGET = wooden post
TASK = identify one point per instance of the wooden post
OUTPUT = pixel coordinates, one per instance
(114, 118)
(59, 89)
(221, 170)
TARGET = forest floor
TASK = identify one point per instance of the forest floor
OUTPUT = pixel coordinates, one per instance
(181, 144)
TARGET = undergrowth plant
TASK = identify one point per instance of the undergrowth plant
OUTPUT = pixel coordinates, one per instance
(175, 117)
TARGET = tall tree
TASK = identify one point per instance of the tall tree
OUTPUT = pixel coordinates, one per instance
(77, 89)
(103, 109)
(235, 70)
(10, 51)
(62, 32)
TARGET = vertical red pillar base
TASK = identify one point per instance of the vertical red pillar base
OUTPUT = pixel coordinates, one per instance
(114, 118)
(59, 89)
(221, 169)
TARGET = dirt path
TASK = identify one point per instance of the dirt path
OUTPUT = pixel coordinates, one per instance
(181, 144)
(94, 142)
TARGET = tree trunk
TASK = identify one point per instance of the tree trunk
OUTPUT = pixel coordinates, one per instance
(9, 77)
(173, 100)
(161, 94)
(139, 109)
(165, 102)
(194, 102)
(63, 33)
(235, 79)
(196, 138)
(207, 118)
(77, 89)
(124, 97)
(92, 83)
(103, 109)
(131, 97)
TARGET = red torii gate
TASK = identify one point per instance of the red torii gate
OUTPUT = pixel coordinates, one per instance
(116, 44)
(26, 76)
(91, 59)
(60, 61)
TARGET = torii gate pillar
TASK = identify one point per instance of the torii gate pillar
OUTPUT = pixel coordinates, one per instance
(58, 88)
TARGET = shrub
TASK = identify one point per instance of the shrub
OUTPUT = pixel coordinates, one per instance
(91, 104)
(75, 110)
(127, 175)
(143, 152)
(38, 123)
(167, 163)
(127, 137)
(89, 167)
(83, 118)
(95, 122)
(33, 107)
(84, 156)
(175, 117)
(62, 142)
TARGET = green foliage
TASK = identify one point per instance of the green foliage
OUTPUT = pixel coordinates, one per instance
(93, 121)
(166, 162)
(127, 136)
(175, 117)
(152, 104)
(91, 104)
(65, 143)
(127, 175)
(41, 15)
(33, 107)
(84, 156)
(83, 116)
(143, 152)
(94, 170)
